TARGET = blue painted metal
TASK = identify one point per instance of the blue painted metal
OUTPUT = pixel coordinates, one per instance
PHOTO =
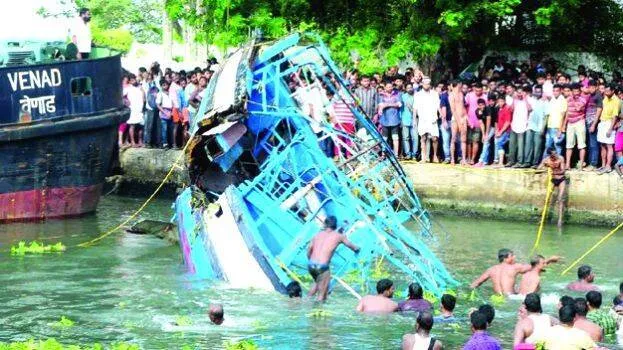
(281, 206)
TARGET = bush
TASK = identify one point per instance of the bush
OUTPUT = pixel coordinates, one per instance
(117, 39)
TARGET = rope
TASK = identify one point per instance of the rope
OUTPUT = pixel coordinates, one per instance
(143, 206)
(550, 190)
(291, 273)
(603, 239)
(347, 287)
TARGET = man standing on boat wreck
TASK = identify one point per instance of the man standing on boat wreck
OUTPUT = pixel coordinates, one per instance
(320, 252)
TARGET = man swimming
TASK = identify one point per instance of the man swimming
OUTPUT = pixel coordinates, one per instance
(531, 280)
(503, 274)
(216, 314)
(320, 252)
(586, 277)
(559, 179)
(381, 303)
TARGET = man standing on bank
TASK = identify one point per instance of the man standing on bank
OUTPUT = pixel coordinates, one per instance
(81, 34)
(320, 252)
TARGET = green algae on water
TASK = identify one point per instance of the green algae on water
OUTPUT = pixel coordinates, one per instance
(241, 345)
(64, 322)
(53, 344)
(22, 248)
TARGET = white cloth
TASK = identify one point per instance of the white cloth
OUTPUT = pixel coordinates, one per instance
(82, 31)
(540, 327)
(135, 96)
(421, 343)
(426, 105)
(519, 124)
(164, 100)
(602, 132)
(548, 88)
(310, 100)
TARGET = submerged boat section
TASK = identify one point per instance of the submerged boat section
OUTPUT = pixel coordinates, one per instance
(263, 181)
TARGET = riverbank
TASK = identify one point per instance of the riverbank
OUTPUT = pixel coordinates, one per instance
(515, 194)
(505, 194)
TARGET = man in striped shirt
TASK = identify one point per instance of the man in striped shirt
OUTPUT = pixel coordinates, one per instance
(343, 120)
(367, 96)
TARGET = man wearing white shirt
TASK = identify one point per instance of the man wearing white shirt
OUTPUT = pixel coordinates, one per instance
(426, 106)
(81, 34)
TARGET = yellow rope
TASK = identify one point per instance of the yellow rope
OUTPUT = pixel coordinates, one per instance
(550, 190)
(153, 195)
(291, 273)
(603, 239)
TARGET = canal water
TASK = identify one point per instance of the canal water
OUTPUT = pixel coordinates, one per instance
(133, 288)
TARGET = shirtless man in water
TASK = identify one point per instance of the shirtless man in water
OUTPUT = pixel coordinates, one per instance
(531, 280)
(459, 120)
(559, 180)
(503, 274)
(381, 303)
(320, 252)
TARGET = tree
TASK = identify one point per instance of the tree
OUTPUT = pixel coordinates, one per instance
(378, 33)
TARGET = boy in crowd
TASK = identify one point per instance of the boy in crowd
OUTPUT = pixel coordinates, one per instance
(502, 129)
(476, 133)
(491, 118)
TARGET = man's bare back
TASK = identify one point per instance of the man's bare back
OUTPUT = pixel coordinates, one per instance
(593, 330)
(324, 244)
(530, 282)
(377, 304)
(502, 276)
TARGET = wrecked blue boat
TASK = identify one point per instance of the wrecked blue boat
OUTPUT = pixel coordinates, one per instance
(261, 184)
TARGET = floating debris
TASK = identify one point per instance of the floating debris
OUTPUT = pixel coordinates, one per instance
(262, 185)
(64, 322)
(22, 248)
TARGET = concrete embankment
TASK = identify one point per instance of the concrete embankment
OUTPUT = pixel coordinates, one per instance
(515, 194)
(508, 194)
(143, 169)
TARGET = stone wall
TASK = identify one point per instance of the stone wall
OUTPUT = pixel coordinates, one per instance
(515, 193)
(509, 194)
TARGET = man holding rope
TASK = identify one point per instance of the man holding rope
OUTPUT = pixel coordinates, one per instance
(557, 163)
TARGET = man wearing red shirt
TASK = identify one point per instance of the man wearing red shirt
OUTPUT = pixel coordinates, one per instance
(502, 128)
(574, 125)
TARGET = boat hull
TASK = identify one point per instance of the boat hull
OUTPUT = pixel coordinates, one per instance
(55, 169)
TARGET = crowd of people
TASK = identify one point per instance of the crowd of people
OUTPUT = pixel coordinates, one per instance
(161, 105)
(581, 323)
(509, 117)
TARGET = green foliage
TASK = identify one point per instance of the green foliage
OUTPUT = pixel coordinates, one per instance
(117, 39)
(22, 248)
(53, 344)
(64, 322)
(241, 345)
(318, 313)
(141, 18)
(183, 321)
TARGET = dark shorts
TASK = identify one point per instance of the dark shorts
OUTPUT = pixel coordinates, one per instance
(474, 134)
(315, 270)
(391, 130)
(557, 182)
